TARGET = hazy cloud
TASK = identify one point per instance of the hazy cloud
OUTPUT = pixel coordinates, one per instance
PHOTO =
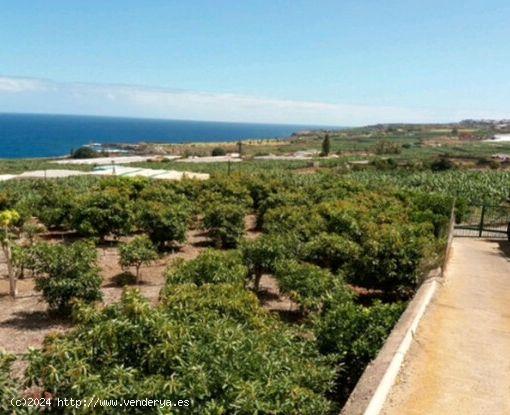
(14, 85)
(44, 96)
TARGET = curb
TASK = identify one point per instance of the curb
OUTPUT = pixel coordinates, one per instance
(374, 386)
(372, 389)
(381, 393)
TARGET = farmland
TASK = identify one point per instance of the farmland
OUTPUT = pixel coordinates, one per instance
(266, 289)
(472, 186)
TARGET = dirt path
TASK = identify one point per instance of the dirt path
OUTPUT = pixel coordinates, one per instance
(459, 362)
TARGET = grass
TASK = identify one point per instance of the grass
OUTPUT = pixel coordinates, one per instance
(249, 166)
(17, 166)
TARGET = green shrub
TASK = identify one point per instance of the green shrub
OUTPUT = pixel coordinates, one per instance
(483, 161)
(224, 189)
(283, 198)
(137, 252)
(384, 163)
(102, 213)
(301, 221)
(131, 349)
(355, 334)
(224, 223)
(21, 259)
(330, 250)
(54, 205)
(8, 385)
(432, 208)
(65, 273)
(494, 165)
(390, 257)
(155, 192)
(262, 254)
(201, 302)
(261, 188)
(442, 163)
(342, 219)
(164, 223)
(218, 151)
(30, 231)
(307, 284)
(84, 153)
(210, 267)
(387, 147)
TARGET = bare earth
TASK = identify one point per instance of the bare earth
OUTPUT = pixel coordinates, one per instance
(459, 362)
(24, 322)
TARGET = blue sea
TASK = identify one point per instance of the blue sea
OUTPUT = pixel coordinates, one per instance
(34, 135)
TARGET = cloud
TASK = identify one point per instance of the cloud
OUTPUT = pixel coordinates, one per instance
(15, 85)
(45, 96)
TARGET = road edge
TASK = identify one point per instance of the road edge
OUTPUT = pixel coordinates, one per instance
(374, 386)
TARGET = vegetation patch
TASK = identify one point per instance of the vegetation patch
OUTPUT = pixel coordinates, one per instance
(320, 239)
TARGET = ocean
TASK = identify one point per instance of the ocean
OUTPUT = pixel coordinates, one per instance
(34, 135)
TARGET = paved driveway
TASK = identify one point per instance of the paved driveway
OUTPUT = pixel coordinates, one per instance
(459, 363)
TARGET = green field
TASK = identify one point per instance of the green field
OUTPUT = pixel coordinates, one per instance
(276, 284)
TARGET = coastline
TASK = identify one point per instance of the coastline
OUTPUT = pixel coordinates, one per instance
(35, 136)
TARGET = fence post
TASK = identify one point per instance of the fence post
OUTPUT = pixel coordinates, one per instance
(482, 216)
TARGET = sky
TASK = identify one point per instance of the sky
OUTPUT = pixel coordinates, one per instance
(319, 62)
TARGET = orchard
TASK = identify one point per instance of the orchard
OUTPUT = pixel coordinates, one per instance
(321, 240)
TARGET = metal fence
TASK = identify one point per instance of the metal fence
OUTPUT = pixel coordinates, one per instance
(485, 221)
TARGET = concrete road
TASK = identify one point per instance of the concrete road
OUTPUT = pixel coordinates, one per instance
(459, 363)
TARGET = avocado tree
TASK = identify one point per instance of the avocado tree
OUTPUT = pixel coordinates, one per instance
(354, 333)
(391, 256)
(307, 284)
(210, 267)
(225, 223)
(330, 250)
(102, 213)
(261, 255)
(65, 273)
(8, 221)
(30, 230)
(213, 343)
(164, 223)
(139, 251)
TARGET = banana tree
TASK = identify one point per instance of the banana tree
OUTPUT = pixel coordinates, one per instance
(8, 220)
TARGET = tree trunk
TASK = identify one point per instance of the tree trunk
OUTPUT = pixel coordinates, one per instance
(258, 277)
(13, 292)
(137, 275)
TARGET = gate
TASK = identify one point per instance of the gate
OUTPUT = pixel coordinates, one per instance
(485, 221)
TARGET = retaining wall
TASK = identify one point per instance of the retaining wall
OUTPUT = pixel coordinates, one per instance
(372, 389)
